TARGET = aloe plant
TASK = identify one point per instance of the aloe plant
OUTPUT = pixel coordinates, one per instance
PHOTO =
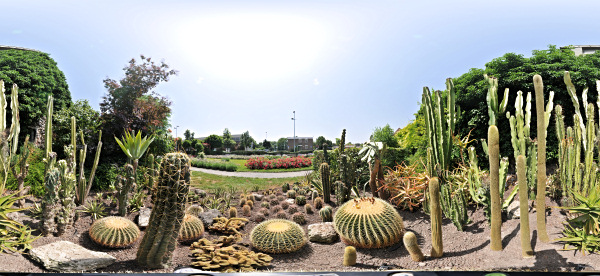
(134, 146)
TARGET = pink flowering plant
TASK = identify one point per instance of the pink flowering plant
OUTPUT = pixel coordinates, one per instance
(262, 163)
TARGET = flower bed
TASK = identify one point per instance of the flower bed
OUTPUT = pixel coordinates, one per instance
(262, 163)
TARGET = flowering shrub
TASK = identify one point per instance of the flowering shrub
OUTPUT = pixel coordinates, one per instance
(262, 163)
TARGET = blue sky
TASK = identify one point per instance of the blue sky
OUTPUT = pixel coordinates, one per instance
(247, 65)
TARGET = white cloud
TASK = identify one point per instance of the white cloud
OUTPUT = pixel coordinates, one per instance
(316, 81)
(200, 79)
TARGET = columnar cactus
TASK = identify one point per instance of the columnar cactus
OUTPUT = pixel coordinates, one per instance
(524, 207)
(51, 200)
(494, 153)
(114, 232)
(124, 185)
(439, 122)
(435, 211)
(68, 184)
(157, 246)
(326, 182)
(356, 219)
(543, 116)
(278, 236)
(349, 256)
(191, 230)
(411, 244)
(326, 214)
(341, 193)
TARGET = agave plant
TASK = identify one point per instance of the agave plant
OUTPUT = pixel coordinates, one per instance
(134, 146)
(588, 210)
(95, 209)
(14, 236)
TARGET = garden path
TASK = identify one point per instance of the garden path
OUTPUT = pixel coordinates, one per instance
(254, 174)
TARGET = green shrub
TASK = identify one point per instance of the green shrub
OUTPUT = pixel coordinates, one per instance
(105, 175)
(221, 166)
(35, 177)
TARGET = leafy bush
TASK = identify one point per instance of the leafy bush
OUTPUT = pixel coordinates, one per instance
(105, 175)
(221, 166)
(262, 163)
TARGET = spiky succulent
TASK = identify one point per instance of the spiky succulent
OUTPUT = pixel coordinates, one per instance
(191, 230)
(278, 236)
(308, 209)
(284, 205)
(299, 218)
(194, 210)
(326, 214)
(291, 194)
(246, 210)
(300, 200)
(285, 187)
(368, 223)
(281, 215)
(114, 232)
(233, 212)
(318, 201)
(265, 204)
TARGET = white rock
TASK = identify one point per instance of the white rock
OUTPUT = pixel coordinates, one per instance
(144, 217)
(514, 210)
(291, 200)
(258, 196)
(65, 256)
(322, 232)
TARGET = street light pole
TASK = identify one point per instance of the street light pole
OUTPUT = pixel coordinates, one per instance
(294, 119)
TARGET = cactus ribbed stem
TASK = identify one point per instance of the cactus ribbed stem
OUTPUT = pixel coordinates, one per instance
(349, 256)
(524, 207)
(326, 182)
(494, 153)
(411, 244)
(541, 159)
(437, 247)
(48, 130)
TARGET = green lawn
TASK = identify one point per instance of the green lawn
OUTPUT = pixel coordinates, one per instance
(240, 163)
(207, 181)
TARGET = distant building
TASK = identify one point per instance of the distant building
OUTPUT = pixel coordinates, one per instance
(302, 143)
(583, 49)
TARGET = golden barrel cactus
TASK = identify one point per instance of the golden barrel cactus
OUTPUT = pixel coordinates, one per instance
(278, 236)
(368, 223)
(191, 230)
(114, 232)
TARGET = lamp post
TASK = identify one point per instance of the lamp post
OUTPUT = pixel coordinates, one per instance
(294, 119)
(176, 142)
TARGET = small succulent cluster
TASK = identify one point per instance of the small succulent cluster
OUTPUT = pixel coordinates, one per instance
(114, 232)
(228, 226)
(224, 255)
(278, 236)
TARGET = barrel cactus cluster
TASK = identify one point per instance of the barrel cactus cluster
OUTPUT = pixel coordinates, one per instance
(368, 223)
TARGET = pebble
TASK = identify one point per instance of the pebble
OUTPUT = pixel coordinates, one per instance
(422, 264)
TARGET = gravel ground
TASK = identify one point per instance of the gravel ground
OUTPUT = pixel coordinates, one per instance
(467, 250)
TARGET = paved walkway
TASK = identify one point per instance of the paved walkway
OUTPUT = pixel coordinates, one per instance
(254, 174)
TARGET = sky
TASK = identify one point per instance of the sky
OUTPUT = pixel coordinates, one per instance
(248, 65)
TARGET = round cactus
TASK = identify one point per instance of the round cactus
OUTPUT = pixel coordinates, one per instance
(291, 194)
(318, 202)
(276, 209)
(293, 209)
(284, 205)
(285, 187)
(250, 203)
(278, 236)
(280, 198)
(233, 212)
(194, 210)
(260, 217)
(299, 218)
(246, 210)
(265, 204)
(272, 196)
(368, 223)
(242, 202)
(300, 200)
(349, 256)
(264, 211)
(274, 202)
(308, 209)
(326, 214)
(114, 232)
(281, 215)
(191, 230)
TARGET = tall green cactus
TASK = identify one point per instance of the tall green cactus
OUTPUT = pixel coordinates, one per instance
(125, 182)
(51, 199)
(495, 109)
(326, 181)
(541, 160)
(160, 240)
(494, 153)
(524, 207)
(68, 184)
(84, 185)
(437, 246)
(48, 129)
(439, 122)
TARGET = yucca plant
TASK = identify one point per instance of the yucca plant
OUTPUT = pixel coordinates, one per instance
(588, 210)
(134, 146)
(95, 209)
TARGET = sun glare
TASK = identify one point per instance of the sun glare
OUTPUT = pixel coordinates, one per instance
(253, 47)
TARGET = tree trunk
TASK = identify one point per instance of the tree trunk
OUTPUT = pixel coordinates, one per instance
(383, 193)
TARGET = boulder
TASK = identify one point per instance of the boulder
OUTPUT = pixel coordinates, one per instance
(258, 196)
(513, 210)
(209, 215)
(322, 233)
(144, 217)
(65, 256)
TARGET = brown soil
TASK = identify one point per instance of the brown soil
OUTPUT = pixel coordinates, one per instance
(467, 250)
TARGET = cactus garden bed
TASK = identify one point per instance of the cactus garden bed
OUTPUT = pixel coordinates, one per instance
(467, 250)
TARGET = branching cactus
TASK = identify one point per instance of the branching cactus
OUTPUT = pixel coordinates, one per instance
(326, 182)
(68, 184)
(124, 185)
(439, 122)
(51, 200)
(83, 184)
(541, 158)
(437, 247)
(156, 248)
(494, 153)
(524, 207)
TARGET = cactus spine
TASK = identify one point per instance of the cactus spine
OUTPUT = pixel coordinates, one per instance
(278, 236)
(494, 153)
(349, 256)
(114, 232)
(543, 116)
(437, 247)
(326, 182)
(191, 229)
(411, 244)
(523, 207)
(157, 246)
(326, 214)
